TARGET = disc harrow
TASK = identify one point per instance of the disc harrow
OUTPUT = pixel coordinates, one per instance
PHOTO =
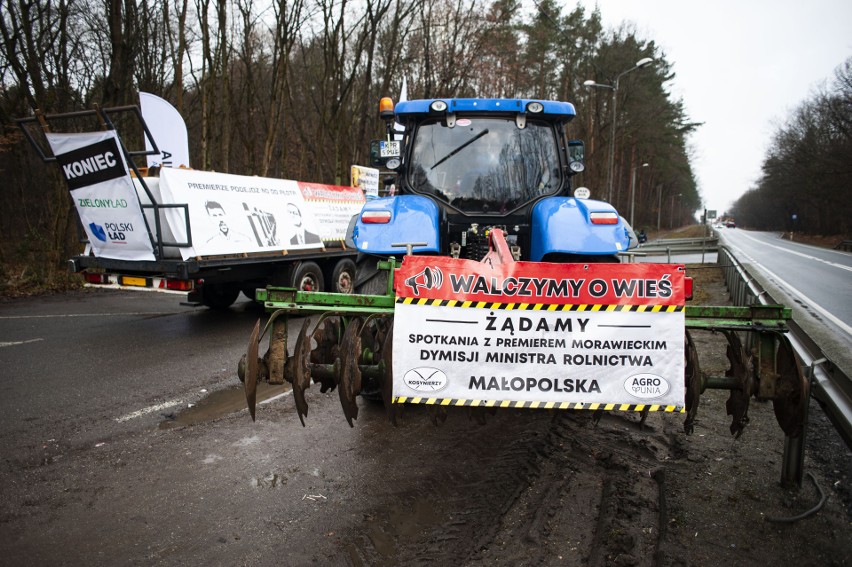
(350, 347)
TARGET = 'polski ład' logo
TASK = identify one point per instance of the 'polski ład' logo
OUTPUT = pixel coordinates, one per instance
(98, 231)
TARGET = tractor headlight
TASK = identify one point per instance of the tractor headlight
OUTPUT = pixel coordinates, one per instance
(577, 166)
(535, 107)
(438, 106)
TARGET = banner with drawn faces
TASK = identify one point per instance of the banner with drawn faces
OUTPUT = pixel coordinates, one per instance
(235, 214)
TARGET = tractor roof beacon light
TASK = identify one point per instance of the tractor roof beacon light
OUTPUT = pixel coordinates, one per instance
(386, 108)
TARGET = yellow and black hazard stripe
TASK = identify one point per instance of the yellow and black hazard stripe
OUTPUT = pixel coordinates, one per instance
(540, 306)
(449, 402)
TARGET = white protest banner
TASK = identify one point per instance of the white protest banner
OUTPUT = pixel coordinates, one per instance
(234, 214)
(168, 129)
(103, 193)
(366, 179)
(332, 206)
(524, 334)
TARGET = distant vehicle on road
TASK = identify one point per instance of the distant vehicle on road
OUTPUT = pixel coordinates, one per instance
(730, 224)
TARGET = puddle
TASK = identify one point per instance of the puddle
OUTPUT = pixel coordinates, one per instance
(221, 403)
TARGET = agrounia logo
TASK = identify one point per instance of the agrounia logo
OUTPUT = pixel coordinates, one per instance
(646, 386)
(425, 379)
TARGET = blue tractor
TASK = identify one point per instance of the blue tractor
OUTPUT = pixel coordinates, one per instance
(465, 166)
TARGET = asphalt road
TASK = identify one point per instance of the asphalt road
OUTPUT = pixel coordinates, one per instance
(95, 363)
(816, 282)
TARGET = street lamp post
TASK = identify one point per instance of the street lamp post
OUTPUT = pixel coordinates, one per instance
(633, 189)
(614, 88)
(671, 211)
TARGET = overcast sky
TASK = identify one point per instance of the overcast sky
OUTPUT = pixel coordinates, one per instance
(741, 67)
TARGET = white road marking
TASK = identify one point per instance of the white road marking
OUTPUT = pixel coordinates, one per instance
(67, 315)
(803, 255)
(19, 342)
(273, 398)
(804, 298)
(150, 409)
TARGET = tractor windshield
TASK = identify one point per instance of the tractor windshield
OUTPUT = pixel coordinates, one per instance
(484, 165)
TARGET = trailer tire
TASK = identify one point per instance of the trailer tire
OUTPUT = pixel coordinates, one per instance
(308, 277)
(249, 291)
(343, 276)
(369, 279)
(219, 296)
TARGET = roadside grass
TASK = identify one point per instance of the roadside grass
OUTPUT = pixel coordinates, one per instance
(23, 280)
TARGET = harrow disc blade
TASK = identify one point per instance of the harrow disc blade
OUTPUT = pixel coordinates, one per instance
(790, 403)
(694, 385)
(737, 404)
(251, 370)
(438, 415)
(300, 372)
(387, 378)
(350, 374)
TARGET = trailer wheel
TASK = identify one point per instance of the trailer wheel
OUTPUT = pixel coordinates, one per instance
(250, 290)
(219, 296)
(343, 276)
(308, 277)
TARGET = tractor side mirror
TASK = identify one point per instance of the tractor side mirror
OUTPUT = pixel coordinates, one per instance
(576, 150)
(385, 153)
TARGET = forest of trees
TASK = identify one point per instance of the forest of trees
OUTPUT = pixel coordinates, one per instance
(290, 88)
(806, 181)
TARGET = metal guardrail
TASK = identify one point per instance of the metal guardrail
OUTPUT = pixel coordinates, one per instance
(671, 246)
(673, 242)
(682, 244)
(829, 385)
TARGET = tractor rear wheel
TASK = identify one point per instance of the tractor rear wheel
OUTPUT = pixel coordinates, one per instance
(369, 279)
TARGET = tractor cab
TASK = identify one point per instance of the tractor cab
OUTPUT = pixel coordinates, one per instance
(464, 166)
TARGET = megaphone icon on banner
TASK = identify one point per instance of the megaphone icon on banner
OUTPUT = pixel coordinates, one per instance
(429, 278)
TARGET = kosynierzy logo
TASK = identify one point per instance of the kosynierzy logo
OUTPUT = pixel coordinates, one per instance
(425, 379)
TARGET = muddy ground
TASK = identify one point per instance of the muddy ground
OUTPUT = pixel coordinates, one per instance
(528, 487)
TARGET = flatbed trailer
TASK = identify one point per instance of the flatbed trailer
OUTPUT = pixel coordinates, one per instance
(161, 216)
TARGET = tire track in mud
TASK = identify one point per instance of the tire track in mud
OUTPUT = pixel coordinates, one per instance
(529, 488)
